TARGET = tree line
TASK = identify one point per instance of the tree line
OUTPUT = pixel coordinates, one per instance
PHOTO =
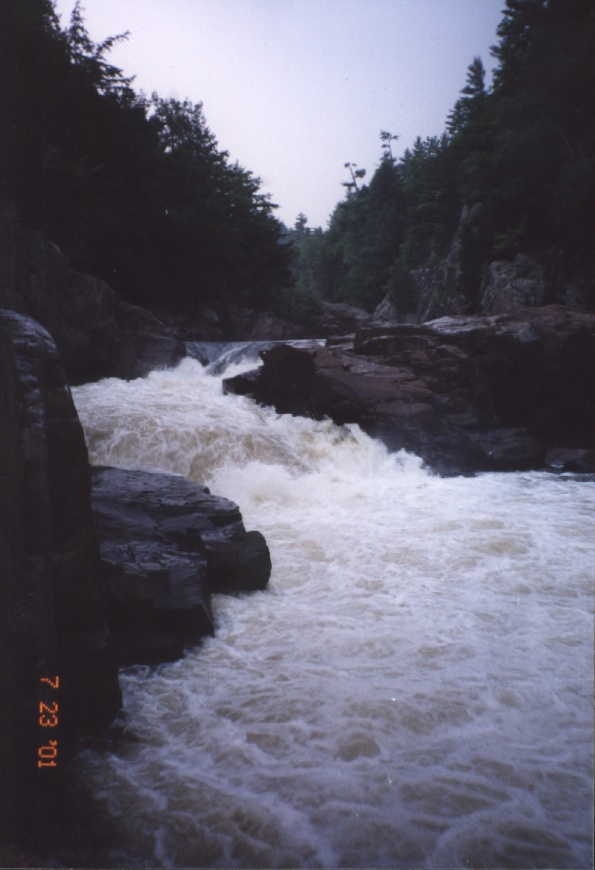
(520, 154)
(133, 188)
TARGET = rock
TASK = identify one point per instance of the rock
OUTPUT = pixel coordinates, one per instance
(166, 544)
(242, 564)
(97, 334)
(466, 393)
(567, 459)
(510, 283)
(451, 284)
(245, 324)
(337, 318)
(387, 312)
(53, 606)
(510, 449)
(244, 384)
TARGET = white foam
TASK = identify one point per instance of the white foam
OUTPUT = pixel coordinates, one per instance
(414, 689)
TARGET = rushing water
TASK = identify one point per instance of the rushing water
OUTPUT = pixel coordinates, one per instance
(414, 688)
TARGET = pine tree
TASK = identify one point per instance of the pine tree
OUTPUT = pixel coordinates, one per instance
(469, 107)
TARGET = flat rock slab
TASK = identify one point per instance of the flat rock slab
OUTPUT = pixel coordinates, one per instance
(166, 544)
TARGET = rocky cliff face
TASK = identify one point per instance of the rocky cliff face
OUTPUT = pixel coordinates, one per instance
(97, 334)
(465, 393)
(53, 604)
(468, 279)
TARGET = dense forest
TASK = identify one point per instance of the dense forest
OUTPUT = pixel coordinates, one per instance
(513, 173)
(134, 188)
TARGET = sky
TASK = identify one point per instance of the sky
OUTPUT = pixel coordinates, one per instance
(294, 89)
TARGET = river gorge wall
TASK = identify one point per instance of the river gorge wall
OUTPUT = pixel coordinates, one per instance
(97, 572)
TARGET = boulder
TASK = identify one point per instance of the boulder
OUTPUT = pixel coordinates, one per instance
(56, 644)
(467, 393)
(238, 564)
(166, 544)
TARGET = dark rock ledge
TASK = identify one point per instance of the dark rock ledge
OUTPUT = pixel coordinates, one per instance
(90, 578)
(467, 393)
(166, 544)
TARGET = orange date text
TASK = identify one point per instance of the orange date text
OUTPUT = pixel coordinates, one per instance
(48, 716)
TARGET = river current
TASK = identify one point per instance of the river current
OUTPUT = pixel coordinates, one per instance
(412, 690)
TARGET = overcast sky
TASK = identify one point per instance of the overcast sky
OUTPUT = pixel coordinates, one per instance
(294, 89)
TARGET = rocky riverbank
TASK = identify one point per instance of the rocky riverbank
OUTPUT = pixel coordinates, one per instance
(96, 574)
(469, 393)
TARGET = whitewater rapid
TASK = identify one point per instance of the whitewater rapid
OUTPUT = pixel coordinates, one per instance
(413, 689)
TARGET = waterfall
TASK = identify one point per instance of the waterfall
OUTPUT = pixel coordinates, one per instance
(414, 688)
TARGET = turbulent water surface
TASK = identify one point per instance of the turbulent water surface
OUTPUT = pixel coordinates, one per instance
(414, 688)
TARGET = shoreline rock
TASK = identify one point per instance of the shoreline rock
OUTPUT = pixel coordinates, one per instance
(53, 607)
(87, 589)
(166, 545)
(466, 393)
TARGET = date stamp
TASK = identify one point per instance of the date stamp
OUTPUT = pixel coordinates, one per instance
(48, 717)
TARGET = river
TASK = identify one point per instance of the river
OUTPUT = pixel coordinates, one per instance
(412, 690)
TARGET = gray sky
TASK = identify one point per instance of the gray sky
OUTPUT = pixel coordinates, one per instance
(294, 89)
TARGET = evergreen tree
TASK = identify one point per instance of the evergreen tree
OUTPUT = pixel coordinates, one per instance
(469, 107)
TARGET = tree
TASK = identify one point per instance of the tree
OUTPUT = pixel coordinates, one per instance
(517, 30)
(134, 190)
(355, 175)
(386, 140)
(469, 107)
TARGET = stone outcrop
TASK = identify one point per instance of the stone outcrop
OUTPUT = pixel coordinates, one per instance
(92, 577)
(445, 286)
(245, 324)
(97, 334)
(510, 283)
(52, 600)
(387, 312)
(337, 318)
(166, 544)
(465, 393)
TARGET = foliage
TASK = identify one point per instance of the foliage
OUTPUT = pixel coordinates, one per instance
(137, 190)
(519, 156)
(133, 189)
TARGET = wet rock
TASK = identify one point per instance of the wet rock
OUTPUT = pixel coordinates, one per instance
(52, 607)
(510, 449)
(567, 459)
(466, 393)
(166, 544)
(242, 564)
